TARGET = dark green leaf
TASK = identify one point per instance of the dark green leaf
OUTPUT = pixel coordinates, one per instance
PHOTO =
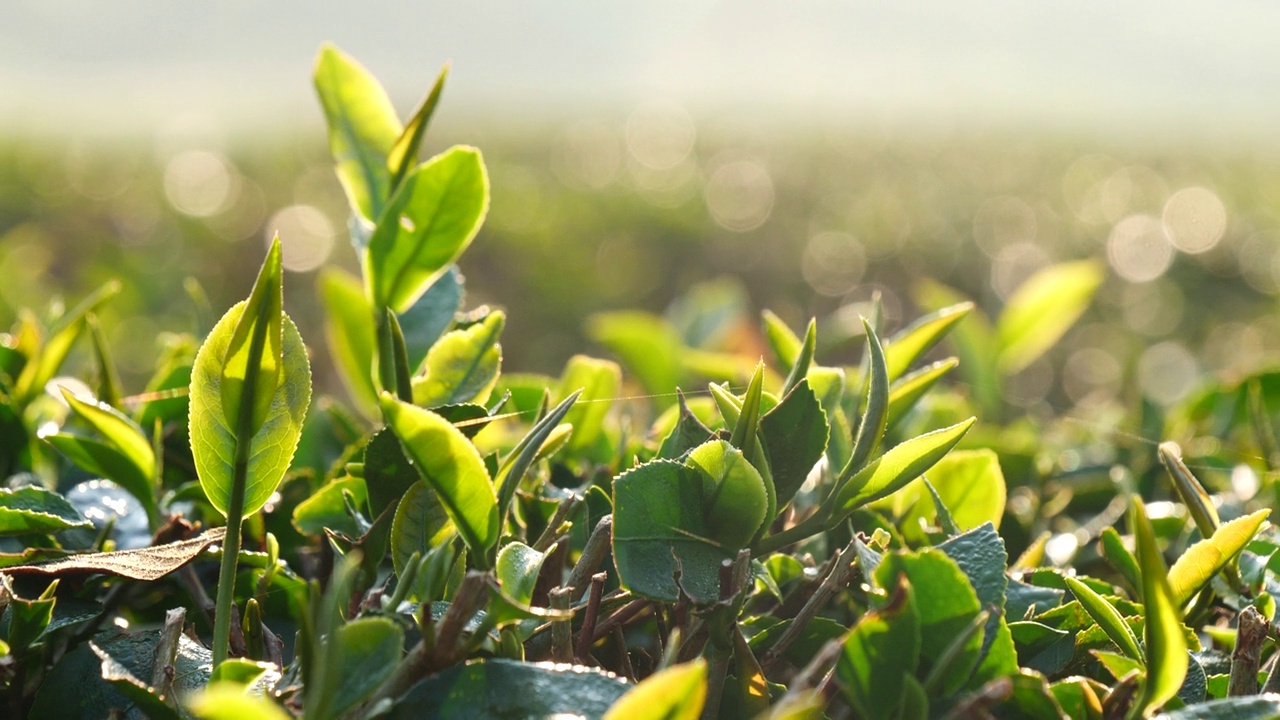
(522, 456)
(498, 689)
(33, 510)
(421, 525)
(880, 651)
(431, 315)
(794, 434)
(1264, 707)
(659, 529)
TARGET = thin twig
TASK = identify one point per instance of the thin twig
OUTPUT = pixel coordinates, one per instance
(624, 656)
(835, 579)
(624, 615)
(586, 635)
(566, 506)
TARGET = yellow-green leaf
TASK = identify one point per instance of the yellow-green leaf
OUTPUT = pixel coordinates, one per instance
(429, 221)
(1197, 566)
(253, 358)
(213, 440)
(676, 693)
(912, 342)
(363, 127)
(463, 365)
(1107, 617)
(1043, 308)
(1166, 646)
(451, 465)
(899, 466)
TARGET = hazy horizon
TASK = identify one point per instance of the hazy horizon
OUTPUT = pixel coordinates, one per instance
(1194, 70)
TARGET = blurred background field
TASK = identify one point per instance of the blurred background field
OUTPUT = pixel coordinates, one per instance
(740, 155)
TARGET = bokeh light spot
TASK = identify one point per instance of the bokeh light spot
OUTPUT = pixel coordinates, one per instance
(306, 237)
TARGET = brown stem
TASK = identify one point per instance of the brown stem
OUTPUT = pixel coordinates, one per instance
(1251, 631)
(619, 618)
(835, 579)
(624, 657)
(561, 630)
(586, 635)
(566, 506)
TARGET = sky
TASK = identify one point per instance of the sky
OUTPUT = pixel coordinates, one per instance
(1194, 67)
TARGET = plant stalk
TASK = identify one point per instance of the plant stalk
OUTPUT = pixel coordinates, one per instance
(230, 552)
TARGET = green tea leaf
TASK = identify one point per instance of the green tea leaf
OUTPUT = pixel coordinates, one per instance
(899, 466)
(253, 359)
(213, 441)
(1042, 309)
(326, 508)
(599, 382)
(1197, 566)
(786, 345)
(33, 510)
(803, 359)
(973, 341)
(138, 473)
(228, 701)
(517, 571)
(735, 501)
(1107, 617)
(429, 222)
(451, 465)
(107, 461)
(498, 689)
(431, 315)
(462, 366)
(361, 655)
(363, 128)
(794, 435)
(876, 407)
(1120, 558)
(348, 329)
(523, 455)
(39, 370)
(946, 604)
(676, 693)
(421, 525)
(1261, 707)
(880, 652)
(404, 153)
(648, 346)
(912, 342)
(1193, 494)
(906, 391)
(659, 529)
(972, 485)
(1166, 647)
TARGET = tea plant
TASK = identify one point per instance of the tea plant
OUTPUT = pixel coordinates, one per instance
(796, 540)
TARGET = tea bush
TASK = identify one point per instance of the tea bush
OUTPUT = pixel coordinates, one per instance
(797, 540)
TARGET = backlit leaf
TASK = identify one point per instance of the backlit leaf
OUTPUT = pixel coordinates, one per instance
(1166, 647)
(1107, 617)
(429, 222)
(912, 342)
(1042, 309)
(34, 510)
(734, 500)
(676, 693)
(213, 441)
(348, 329)
(899, 466)
(451, 465)
(1197, 566)
(363, 127)
(462, 366)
